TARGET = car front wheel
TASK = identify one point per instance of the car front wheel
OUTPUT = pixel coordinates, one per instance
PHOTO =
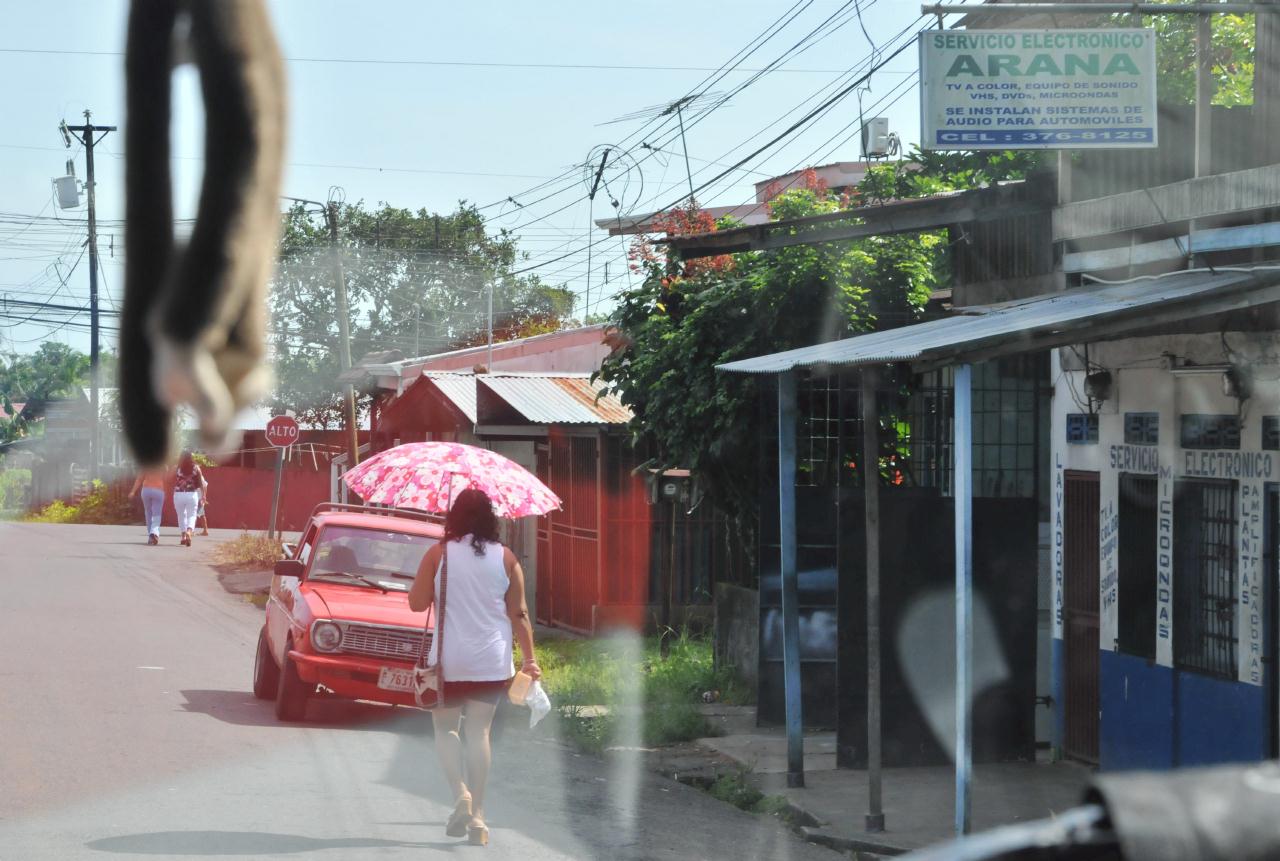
(291, 692)
(266, 675)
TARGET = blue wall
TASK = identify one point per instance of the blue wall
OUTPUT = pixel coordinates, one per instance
(1220, 721)
(1136, 700)
(1155, 717)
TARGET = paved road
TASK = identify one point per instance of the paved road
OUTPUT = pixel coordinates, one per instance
(127, 730)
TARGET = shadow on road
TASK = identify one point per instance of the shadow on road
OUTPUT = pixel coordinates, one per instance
(171, 843)
(241, 708)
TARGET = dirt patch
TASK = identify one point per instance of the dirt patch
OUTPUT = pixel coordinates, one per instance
(243, 579)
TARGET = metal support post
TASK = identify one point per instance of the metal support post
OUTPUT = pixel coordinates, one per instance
(344, 337)
(789, 576)
(1204, 96)
(275, 494)
(871, 502)
(963, 492)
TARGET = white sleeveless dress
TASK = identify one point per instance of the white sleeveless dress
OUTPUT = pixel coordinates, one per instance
(477, 630)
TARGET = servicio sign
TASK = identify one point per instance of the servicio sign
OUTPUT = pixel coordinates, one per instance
(282, 431)
(1038, 89)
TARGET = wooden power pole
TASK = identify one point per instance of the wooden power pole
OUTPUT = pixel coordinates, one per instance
(88, 130)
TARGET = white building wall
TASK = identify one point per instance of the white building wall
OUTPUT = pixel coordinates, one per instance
(1143, 382)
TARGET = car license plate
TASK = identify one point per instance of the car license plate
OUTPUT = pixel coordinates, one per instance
(395, 679)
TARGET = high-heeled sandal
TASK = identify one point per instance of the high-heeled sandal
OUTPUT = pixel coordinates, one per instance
(478, 834)
(460, 819)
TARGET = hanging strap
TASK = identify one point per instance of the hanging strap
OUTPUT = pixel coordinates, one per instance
(423, 652)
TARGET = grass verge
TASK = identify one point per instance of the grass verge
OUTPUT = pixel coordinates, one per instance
(734, 788)
(623, 690)
(248, 550)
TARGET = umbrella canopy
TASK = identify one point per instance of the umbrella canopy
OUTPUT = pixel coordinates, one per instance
(429, 476)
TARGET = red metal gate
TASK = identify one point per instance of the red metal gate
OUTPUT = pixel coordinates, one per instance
(1080, 614)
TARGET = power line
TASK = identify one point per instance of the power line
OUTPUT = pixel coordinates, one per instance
(370, 61)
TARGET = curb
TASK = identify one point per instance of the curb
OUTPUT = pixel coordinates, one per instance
(859, 848)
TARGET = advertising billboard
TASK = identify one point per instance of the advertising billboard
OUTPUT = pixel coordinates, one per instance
(1038, 89)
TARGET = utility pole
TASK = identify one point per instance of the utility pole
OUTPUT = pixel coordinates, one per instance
(89, 130)
(344, 337)
(591, 200)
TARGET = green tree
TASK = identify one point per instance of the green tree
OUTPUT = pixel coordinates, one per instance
(1232, 51)
(417, 282)
(52, 371)
(686, 318)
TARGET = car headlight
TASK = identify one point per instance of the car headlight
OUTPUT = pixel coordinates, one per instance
(326, 636)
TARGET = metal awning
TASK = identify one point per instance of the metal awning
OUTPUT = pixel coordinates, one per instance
(1039, 323)
(557, 398)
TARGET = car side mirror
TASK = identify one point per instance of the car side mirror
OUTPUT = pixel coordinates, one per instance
(290, 568)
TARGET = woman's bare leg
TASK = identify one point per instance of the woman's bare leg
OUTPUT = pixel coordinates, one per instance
(449, 747)
(479, 756)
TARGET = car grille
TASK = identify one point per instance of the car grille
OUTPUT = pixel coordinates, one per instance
(402, 643)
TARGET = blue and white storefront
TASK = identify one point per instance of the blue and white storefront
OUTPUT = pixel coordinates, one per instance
(1165, 473)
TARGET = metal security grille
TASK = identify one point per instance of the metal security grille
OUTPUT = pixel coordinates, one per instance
(1008, 428)
(378, 642)
(1080, 614)
(818, 435)
(1204, 526)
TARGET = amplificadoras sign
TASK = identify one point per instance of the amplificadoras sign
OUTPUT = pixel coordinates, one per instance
(1046, 89)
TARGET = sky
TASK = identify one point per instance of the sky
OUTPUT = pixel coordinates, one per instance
(422, 105)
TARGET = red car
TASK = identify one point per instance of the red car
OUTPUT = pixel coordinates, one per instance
(338, 614)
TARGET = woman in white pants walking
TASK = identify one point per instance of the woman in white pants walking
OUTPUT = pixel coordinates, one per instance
(187, 484)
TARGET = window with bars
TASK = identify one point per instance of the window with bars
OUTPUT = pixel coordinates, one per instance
(1082, 428)
(818, 410)
(1271, 433)
(1142, 428)
(1008, 427)
(1204, 431)
(1204, 572)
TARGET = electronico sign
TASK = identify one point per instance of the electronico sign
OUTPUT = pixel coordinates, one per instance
(1026, 89)
(282, 431)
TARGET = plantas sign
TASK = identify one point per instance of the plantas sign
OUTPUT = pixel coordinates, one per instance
(282, 431)
(1038, 89)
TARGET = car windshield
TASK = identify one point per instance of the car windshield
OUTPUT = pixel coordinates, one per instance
(388, 559)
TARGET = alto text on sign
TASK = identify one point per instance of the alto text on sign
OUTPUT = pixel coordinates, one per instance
(282, 431)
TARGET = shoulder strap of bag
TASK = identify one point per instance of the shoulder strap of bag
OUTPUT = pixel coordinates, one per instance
(439, 632)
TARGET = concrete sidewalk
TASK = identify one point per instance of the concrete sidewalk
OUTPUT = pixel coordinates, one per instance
(918, 803)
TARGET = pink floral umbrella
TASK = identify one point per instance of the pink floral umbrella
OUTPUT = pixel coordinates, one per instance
(429, 476)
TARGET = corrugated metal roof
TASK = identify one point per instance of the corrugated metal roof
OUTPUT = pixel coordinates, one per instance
(460, 389)
(557, 398)
(1032, 324)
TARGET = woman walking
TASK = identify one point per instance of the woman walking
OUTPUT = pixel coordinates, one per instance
(187, 484)
(151, 483)
(484, 609)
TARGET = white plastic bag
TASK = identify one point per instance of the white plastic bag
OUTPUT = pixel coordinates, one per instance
(538, 702)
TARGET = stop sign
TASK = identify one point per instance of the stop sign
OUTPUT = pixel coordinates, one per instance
(282, 431)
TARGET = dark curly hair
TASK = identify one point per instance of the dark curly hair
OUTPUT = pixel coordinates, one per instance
(472, 514)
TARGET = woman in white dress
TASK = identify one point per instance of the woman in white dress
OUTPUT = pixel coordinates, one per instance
(484, 610)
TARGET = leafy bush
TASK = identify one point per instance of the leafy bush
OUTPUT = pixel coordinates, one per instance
(100, 505)
(13, 485)
(55, 512)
